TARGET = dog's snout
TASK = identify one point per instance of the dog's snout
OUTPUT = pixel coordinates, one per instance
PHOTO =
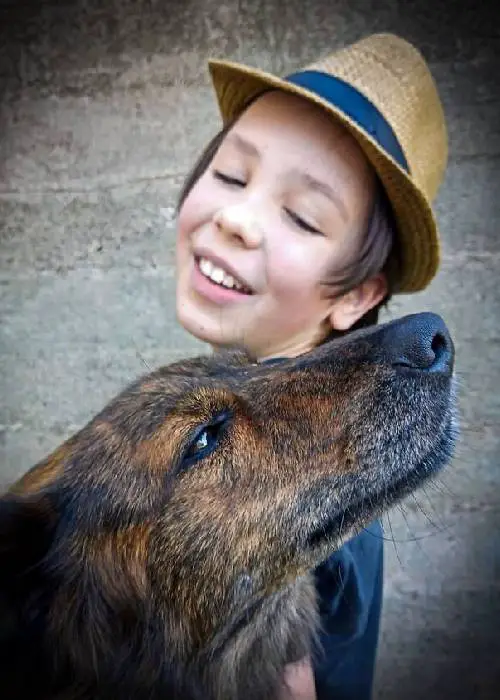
(421, 342)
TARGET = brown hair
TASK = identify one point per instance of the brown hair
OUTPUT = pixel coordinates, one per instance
(379, 251)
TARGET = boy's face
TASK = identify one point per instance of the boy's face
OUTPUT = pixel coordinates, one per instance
(284, 204)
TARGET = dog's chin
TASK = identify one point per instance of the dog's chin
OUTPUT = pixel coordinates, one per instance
(336, 529)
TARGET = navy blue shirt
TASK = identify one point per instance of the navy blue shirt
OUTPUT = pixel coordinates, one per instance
(349, 585)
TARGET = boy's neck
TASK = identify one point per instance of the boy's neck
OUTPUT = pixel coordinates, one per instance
(277, 353)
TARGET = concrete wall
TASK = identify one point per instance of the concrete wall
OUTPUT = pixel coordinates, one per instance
(105, 105)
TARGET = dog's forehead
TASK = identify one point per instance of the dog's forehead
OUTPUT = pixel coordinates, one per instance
(237, 372)
(219, 370)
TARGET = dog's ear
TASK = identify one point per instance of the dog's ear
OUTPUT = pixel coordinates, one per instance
(26, 530)
(27, 526)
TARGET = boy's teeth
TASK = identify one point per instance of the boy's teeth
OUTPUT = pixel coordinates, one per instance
(228, 281)
(217, 275)
(206, 267)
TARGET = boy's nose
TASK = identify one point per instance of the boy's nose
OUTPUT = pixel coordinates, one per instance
(420, 342)
(239, 223)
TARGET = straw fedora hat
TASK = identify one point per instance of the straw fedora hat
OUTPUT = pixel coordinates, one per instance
(382, 91)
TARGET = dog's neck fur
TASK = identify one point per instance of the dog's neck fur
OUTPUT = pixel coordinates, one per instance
(281, 629)
(290, 614)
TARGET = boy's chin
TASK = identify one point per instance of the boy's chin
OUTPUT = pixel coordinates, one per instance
(204, 327)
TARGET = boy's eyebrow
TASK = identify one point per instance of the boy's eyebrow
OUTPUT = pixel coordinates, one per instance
(244, 145)
(319, 186)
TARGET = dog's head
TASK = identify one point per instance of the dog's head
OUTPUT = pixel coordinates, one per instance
(212, 483)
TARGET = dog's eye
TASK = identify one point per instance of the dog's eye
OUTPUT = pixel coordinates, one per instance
(205, 440)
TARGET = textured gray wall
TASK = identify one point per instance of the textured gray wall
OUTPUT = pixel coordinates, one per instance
(105, 105)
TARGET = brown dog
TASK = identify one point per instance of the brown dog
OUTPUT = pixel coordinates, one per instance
(164, 550)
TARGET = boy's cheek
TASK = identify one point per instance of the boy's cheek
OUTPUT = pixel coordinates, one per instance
(185, 220)
(295, 307)
(198, 210)
(193, 210)
(294, 275)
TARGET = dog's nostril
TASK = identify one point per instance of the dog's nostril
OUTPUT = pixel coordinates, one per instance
(421, 342)
(442, 350)
(438, 345)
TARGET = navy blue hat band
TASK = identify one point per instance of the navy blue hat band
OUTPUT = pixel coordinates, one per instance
(355, 105)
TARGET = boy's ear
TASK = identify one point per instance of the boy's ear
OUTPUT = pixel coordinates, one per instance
(352, 306)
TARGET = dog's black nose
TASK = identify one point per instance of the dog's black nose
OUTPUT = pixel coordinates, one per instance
(421, 342)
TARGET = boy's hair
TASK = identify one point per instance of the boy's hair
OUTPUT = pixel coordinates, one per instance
(379, 251)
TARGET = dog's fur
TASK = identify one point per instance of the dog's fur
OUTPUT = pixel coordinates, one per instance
(164, 551)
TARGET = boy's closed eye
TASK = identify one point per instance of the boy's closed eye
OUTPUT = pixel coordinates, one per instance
(229, 179)
(299, 221)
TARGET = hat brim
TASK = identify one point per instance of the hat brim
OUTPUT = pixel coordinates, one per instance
(236, 85)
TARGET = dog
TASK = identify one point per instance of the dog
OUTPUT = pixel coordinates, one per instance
(166, 549)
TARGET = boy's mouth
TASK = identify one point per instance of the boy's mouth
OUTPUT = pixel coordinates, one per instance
(222, 278)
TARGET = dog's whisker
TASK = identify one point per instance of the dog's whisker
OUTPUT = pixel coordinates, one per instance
(140, 357)
(424, 513)
(441, 524)
(443, 488)
(393, 540)
(402, 540)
